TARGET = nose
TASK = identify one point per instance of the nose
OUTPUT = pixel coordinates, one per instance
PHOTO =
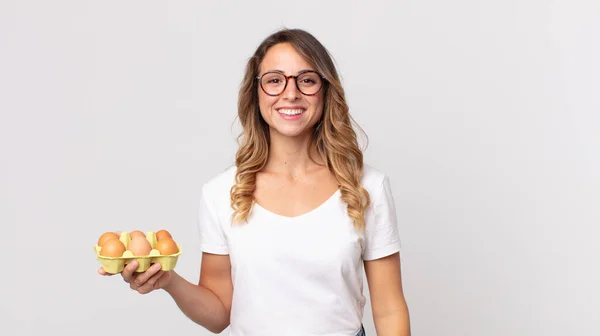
(291, 91)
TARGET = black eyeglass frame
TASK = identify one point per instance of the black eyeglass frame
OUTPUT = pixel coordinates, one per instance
(287, 81)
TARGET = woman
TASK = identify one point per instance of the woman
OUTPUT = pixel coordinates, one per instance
(286, 232)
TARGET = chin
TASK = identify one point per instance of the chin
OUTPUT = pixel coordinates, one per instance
(291, 131)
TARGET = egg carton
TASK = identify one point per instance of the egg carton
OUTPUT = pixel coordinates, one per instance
(114, 265)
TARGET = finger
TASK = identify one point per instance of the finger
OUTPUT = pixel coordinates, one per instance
(101, 271)
(127, 272)
(149, 285)
(145, 276)
(133, 285)
(152, 281)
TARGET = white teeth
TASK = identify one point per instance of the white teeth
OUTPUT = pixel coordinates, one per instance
(290, 112)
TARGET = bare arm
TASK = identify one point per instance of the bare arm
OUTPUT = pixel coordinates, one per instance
(208, 303)
(390, 311)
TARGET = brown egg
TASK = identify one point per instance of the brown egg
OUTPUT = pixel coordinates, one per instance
(160, 234)
(107, 236)
(112, 248)
(137, 233)
(167, 246)
(140, 246)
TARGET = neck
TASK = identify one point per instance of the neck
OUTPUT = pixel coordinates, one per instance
(290, 155)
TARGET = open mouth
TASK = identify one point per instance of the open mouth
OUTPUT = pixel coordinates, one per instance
(291, 112)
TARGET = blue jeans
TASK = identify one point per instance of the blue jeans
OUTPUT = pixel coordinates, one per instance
(362, 331)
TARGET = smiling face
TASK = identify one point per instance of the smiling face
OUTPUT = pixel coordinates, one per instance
(290, 113)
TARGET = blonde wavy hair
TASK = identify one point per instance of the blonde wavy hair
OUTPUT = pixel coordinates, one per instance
(333, 136)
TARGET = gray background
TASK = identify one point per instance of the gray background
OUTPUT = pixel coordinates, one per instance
(485, 114)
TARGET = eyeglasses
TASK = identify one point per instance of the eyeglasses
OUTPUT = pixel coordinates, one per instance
(274, 83)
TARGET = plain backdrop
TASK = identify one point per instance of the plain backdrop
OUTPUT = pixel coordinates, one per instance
(485, 115)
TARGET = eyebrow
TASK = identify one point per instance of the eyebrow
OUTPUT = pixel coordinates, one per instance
(283, 72)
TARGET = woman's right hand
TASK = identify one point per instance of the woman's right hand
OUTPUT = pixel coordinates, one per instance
(143, 282)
